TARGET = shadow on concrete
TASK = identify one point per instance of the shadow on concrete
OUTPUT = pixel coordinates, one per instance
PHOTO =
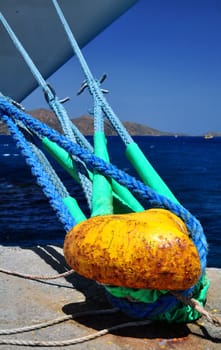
(91, 290)
(95, 299)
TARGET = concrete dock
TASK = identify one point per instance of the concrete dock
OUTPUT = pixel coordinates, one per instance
(26, 302)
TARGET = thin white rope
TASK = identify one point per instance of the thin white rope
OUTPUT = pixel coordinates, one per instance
(74, 340)
(56, 321)
(37, 277)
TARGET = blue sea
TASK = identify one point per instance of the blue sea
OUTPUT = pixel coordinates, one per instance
(191, 167)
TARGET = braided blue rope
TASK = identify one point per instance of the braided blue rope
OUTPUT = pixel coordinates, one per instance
(47, 167)
(42, 177)
(92, 84)
(107, 169)
(133, 309)
(98, 117)
(26, 57)
(165, 302)
(69, 130)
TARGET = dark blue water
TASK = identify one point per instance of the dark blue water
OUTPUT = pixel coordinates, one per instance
(191, 167)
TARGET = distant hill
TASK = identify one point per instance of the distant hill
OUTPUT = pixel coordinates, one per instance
(85, 124)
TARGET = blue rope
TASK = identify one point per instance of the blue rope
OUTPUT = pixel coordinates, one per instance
(69, 130)
(98, 117)
(92, 84)
(42, 177)
(164, 302)
(98, 96)
(47, 167)
(109, 170)
(133, 309)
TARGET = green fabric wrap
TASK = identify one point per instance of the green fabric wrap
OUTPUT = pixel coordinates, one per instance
(74, 209)
(64, 159)
(124, 196)
(137, 295)
(102, 200)
(147, 173)
(61, 156)
(124, 201)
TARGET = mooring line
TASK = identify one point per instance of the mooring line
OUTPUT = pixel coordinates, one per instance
(37, 277)
(75, 340)
(187, 301)
(56, 321)
(35, 343)
(216, 321)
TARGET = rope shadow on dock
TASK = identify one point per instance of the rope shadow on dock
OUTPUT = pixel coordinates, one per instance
(95, 299)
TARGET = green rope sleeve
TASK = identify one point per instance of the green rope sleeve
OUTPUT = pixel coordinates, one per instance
(123, 200)
(74, 209)
(126, 196)
(147, 173)
(102, 200)
(61, 156)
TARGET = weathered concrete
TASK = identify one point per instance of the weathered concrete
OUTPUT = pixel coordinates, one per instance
(24, 302)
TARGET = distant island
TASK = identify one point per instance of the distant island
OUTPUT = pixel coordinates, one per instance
(85, 125)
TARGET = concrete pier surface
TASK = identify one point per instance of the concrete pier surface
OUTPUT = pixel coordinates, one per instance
(26, 302)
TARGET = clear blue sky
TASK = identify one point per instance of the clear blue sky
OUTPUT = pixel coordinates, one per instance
(163, 60)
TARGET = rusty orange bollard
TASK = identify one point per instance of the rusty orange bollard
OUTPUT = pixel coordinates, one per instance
(150, 250)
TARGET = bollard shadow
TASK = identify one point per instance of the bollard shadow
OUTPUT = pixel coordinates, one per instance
(154, 330)
(89, 288)
(95, 299)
